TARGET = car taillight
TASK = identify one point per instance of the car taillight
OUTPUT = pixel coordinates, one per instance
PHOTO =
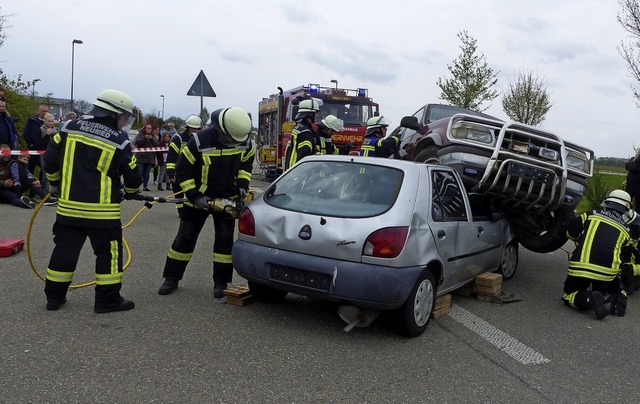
(386, 243)
(246, 224)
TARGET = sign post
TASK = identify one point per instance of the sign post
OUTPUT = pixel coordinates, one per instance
(201, 87)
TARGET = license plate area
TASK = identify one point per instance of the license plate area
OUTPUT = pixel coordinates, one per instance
(300, 277)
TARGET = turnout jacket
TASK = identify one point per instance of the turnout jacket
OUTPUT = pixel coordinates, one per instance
(601, 235)
(205, 166)
(178, 142)
(303, 143)
(375, 146)
(86, 160)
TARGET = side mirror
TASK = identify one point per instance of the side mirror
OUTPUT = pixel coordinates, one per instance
(410, 122)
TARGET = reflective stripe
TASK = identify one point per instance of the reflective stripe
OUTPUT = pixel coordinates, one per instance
(187, 154)
(173, 254)
(108, 279)
(171, 166)
(222, 258)
(114, 257)
(244, 175)
(187, 185)
(570, 298)
(57, 276)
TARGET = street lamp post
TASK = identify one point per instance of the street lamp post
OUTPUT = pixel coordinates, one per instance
(73, 48)
(162, 107)
(335, 81)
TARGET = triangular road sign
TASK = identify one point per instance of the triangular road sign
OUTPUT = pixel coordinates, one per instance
(201, 87)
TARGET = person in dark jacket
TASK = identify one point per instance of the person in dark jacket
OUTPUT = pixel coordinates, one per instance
(178, 142)
(215, 166)
(601, 237)
(32, 135)
(303, 137)
(8, 132)
(85, 162)
(632, 185)
(146, 159)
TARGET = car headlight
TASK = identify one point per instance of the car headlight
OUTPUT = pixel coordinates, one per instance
(469, 131)
(575, 187)
(578, 162)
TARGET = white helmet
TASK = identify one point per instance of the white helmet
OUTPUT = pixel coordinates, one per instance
(308, 107)
(617, 200)
(233, 125)
(114, 101)
(194, 121)
(377, 122)
(333, 122)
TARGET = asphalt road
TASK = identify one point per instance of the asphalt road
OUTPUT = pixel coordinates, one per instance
(186, 347)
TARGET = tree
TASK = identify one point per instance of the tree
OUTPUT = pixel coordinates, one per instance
(3, 20)
(472, 78)
(629, 18)
(82, 106)
(527, 100)
(204, 115)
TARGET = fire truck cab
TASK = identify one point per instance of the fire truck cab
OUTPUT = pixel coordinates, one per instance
(276, 115)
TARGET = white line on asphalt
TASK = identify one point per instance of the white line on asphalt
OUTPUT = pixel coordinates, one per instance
(500, 339)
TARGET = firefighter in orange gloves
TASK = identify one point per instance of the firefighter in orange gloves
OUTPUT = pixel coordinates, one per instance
(214, 166)
(84, 163)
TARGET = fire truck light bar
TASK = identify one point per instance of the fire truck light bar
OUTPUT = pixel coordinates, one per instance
(313, 88)
(362, 92)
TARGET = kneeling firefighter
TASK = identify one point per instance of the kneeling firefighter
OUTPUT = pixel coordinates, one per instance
(214, 166)
(84, 163)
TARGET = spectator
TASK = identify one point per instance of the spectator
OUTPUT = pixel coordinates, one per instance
(47, 130)
(163, 178)
(24, 180)
(146, 160)
(156, 137)
(33, 136)
(71, 116)
(8, 132)
(7, 190)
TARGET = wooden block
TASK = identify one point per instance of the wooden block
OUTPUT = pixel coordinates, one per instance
(239, 301)
(441, 312)
(489, 290)
(443, 302)
(238, 291)
(488, 279)
(485, 298)
(466, 290)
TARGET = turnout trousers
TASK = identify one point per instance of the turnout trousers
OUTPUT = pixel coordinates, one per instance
(578, 290)
(107, 247)
(191, 222)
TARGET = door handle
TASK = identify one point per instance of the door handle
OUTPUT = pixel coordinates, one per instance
(441, 234)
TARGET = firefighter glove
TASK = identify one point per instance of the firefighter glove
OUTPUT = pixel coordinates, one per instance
(242, 193)
(201, 202)
(54, 190)
(618, 304)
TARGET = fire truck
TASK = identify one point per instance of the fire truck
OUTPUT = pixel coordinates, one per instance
(276, 115)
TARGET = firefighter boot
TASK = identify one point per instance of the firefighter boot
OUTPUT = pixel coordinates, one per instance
(168, 286)
(596, 303)
(218, 289)
(108, 299)
(56, 293)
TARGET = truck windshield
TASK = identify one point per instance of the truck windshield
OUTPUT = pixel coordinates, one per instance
(351, 114)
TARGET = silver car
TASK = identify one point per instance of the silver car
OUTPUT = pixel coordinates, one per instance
(377, 234)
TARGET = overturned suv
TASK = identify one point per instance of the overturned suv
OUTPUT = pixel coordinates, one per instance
(534, 176)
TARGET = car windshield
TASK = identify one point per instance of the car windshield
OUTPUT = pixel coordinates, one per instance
(338, 189)
(444, 111)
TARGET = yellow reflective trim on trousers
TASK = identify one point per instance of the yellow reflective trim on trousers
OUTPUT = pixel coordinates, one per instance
(108, 279)
(222, 258)
(173, 254)
(244, 175)
(115, 254)
(187, 185)
(570, 298)
(171, 166)
(88, 215)
(53, 176)
(57, 276)
(187, 153)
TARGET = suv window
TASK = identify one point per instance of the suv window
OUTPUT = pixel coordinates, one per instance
(349, 190)
(448, 200)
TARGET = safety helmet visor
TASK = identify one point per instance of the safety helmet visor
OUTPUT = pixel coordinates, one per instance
(228, 141)
(125, 121)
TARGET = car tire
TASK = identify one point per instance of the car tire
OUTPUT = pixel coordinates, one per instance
(428, 155)
(509, 262)
(266, 294)
(544, 241)
(414, 315)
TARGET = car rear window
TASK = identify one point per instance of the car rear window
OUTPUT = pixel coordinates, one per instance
(340, 189)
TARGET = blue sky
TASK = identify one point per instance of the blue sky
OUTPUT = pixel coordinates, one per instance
(397, 50)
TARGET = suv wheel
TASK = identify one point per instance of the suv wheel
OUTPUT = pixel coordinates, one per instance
(414, 315)
(428, 155)
(551, 236)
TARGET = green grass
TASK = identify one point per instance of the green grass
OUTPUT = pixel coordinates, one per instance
(605, 179)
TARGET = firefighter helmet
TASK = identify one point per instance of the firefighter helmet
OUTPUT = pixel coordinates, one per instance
(114, 101)
(617, 200)
(194, 121)
(308, 107)
(332, 122)
(374, 124)
(233, 125)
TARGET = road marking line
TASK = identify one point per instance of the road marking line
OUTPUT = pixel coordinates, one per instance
(500, 339)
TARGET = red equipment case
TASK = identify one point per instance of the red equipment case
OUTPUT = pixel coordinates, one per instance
(10, 246)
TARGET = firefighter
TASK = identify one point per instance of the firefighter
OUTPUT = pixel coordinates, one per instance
(303, 136)
(214, 166)
(594, 266)
(84, 163)
(178, 142)
(326, 128)
(375, 144)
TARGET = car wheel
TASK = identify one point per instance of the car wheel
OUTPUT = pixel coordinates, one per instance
(428, 155)
(509, 261)
(414, 315)
(548, 237)
(266, 294)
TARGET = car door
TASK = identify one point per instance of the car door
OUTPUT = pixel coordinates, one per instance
(467, 247)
